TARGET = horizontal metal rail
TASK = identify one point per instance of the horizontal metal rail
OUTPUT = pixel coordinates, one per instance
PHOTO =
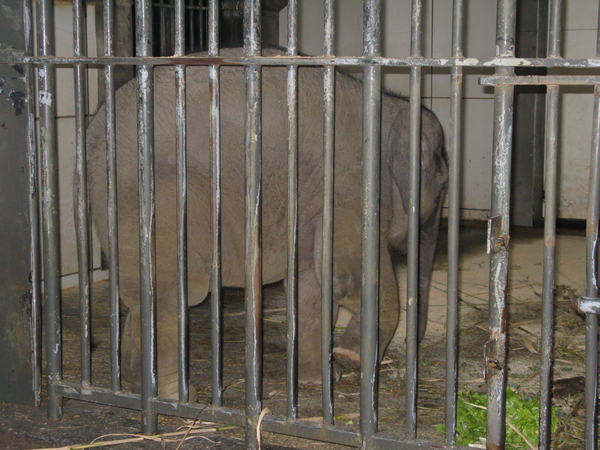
(235, 417)
(9, 57)
(549, 80)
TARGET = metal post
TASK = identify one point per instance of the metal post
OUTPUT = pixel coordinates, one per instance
(327, 232)
(292, 276)
(253, 144)
(50, 219)
(369, 311)
(591, 320)
(83, 228)
(215, 133)
(453, 223)
(495, 350)
(412, 308)
(145, 94)
(550, 195)
(182, 208)
(112, 199)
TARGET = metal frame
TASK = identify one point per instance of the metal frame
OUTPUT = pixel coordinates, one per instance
(495, 354)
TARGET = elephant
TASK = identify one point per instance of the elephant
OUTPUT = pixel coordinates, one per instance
(347, 204)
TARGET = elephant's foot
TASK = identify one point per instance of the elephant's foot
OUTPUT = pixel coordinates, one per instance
(314, 376)
(347, 358)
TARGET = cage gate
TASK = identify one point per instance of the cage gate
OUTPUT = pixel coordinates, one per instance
(148, 68)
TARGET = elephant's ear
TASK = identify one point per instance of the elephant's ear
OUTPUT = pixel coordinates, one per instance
(397, 156)
(434, 168)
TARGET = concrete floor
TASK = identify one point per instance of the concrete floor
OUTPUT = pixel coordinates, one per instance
(25, 427)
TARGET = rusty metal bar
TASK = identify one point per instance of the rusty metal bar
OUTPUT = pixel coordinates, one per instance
(412, 307)
(564, 80)
(112, 199)
(453, 223)
(496, 347)
(550, 198)
(182, 207)
(253, 145)
(292, 274)
(328, 213)
(215, 139)
(50, 208)
(591, 320)
(369, 311)
(34, 211)
(13, 57)
(145, 93)
(82, 208)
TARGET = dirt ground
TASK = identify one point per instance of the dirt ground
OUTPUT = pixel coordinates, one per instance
(524, 337)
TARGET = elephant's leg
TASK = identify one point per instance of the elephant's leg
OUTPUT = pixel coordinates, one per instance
(347, 349)
(428, 240)
(309, 326)
(167, 354)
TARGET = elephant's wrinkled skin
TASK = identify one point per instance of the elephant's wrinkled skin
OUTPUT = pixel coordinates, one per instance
(347, 229)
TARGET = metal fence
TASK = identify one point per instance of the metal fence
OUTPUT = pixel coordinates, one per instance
(504, 81)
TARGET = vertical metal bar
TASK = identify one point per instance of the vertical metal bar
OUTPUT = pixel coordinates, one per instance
(453, 223)
(215, 133)
(50, 218)
(591, 320)
(83, 230)
(253, 144)
(182, 243)
(145, 94)
(550, 196)
(327, 232)
(495, 352)
(412, 309)
(36, 264)
(369, 311)
(292, 275)
(111, 172)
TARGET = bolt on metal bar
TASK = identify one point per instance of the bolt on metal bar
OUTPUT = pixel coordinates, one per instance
(82, 206)
(50, 208)
(215, 144)
(412, 308)
(591, 320)
(182, 207)
(253, 145)
(292, 273)
(328, 213)
(456, 92)
(496, 347)
(369, 311)
(34, 212)
(145, 93)
(550, 199)
(112, 199)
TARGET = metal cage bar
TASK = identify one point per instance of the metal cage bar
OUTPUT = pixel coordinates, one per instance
(112, 199)
(215, 136)
(145, 94)
(83, 227)
(412, 311)
(453, 223)
(371, 143)
(550, 197)
(328, 217)
(591, 320)
(496, 347)
(253, 146)
(182, 207)
(292, 274)
(50, 219)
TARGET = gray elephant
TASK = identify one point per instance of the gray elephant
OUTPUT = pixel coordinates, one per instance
(347, 228)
